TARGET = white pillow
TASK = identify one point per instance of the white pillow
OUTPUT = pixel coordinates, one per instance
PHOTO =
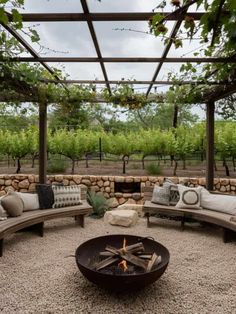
(189, 197)
(30, 201)
(220, 203)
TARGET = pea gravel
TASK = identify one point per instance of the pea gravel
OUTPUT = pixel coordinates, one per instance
(36, 276)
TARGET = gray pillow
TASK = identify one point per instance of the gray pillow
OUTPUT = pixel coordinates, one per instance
(13, 204)
(160, 195)
(173, 191)
(3, 213)
(66, 195)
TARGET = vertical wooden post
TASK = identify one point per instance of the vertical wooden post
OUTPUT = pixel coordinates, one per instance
(42, 143)
(100, 149)
(210, 145)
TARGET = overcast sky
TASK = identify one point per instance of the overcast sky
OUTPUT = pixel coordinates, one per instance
(73, 39)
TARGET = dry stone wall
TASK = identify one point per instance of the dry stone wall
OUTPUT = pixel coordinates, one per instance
(106, 185)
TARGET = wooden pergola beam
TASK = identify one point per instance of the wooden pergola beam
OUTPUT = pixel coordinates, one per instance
(95, 42)
(210, 160)
(133, 82)
(102, 17)
(122, 60)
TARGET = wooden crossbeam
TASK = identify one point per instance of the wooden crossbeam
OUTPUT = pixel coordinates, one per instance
(123, 59)
(102, 17)
(122, 82)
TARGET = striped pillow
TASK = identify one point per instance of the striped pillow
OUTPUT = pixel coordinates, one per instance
(66, 196)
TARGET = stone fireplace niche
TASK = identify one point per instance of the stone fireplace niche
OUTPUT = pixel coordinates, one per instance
(127, 187)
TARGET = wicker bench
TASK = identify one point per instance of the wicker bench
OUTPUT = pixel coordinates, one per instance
(203, 215)
(36, 218)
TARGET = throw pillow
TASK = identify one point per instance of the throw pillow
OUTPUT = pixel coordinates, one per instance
(160, 195)
(189, 197)
(3, 213)
(66, 195)
(173, 191)
(45, 195)
(30, 201)
(221, 203)
(13, 204)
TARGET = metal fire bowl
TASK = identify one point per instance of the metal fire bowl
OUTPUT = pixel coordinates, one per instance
(86, 251)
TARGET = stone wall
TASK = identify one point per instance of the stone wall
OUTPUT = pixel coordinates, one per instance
(106, 184)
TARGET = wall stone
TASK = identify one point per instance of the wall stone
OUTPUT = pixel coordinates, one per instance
(106, 185)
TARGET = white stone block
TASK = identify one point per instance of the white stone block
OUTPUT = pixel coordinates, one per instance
(121, 217)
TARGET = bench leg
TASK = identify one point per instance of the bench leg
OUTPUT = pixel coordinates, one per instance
(228, 235)
(148, 220)
(1, 247)
(182, 223)
(38, 228)
(80, 219)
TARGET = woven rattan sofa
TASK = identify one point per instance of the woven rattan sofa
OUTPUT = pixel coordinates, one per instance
(204, 215)
(36, 218)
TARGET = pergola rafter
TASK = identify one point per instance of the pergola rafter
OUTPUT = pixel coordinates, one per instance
(95, 42)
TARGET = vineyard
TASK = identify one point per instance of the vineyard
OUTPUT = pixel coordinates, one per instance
(149, 151)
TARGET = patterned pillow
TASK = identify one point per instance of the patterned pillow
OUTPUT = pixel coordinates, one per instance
(160, 195)
(173, 191)
(189, 197)
(66, 195)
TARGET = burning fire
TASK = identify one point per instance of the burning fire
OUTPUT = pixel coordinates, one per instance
(123, 264)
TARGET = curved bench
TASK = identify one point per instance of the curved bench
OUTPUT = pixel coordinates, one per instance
(36, 219)
(205, 215)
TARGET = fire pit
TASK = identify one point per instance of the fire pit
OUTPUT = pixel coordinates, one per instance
(122, 262)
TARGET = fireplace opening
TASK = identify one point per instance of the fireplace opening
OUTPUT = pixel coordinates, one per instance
(127, 187)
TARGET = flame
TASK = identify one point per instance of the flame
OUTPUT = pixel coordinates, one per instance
(123, 265)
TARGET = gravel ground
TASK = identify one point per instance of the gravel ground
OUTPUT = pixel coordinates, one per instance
(36, 276)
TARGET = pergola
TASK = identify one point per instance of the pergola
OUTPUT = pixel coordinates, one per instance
(222, 89)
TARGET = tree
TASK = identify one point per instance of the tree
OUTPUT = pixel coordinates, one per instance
(161, 116)
(68, 143)
(226, 108)
(17, 145)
